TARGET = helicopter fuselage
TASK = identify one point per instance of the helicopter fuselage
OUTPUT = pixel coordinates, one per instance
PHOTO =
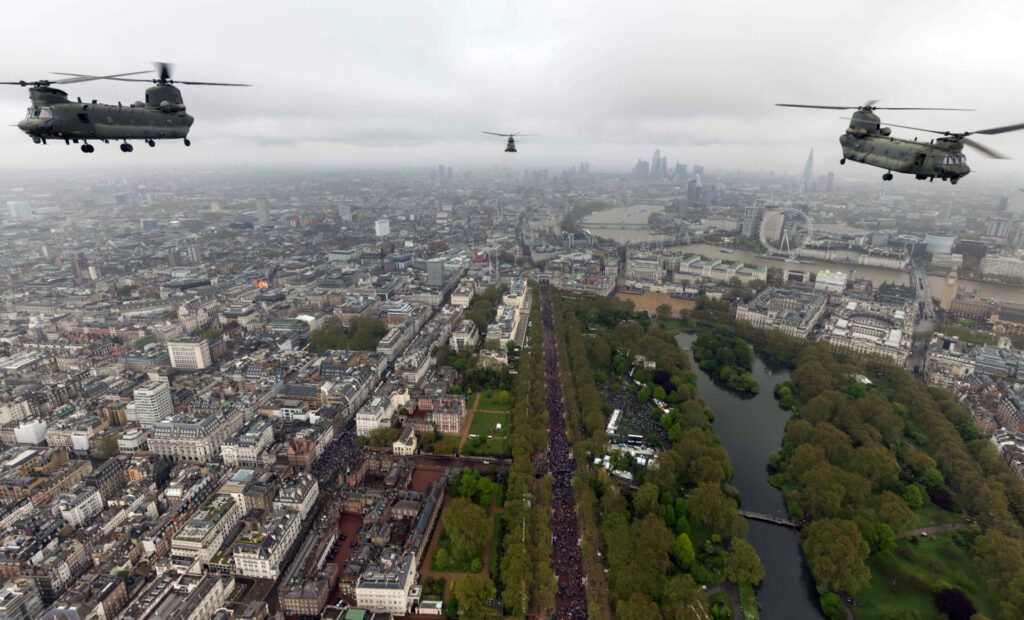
(867, 142)
(53, 116)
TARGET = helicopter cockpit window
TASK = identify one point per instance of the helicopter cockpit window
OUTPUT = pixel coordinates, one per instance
(46, 113)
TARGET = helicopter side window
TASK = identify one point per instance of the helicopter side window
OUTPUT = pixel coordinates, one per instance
(83, 117)
(919, 160)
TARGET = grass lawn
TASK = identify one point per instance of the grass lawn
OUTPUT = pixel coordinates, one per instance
(485, 421)
(749, 602)
(933, 559)
(454, 566)
(933, 515)
(488, 401)
(487, 447)
(447, 444)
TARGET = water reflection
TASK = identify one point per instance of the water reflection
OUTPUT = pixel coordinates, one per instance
(751, 430)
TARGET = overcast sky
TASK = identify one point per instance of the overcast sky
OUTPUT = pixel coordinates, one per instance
(364, 84)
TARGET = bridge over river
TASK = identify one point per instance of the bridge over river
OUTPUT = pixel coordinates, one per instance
(758, 516)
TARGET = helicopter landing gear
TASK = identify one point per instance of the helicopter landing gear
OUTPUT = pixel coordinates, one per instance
(953, 181)
(188, 142)
(127, 148)
(842, 161)
(151, 143)
(43, 140)
(887, 176)
(88, 148)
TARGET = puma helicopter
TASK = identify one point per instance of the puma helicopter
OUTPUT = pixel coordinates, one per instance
(52, 116)
(867, 142)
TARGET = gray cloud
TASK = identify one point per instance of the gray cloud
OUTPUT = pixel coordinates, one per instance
(356, 83)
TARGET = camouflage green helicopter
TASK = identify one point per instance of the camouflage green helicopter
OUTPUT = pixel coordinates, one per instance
(52, 116)
(867, 142)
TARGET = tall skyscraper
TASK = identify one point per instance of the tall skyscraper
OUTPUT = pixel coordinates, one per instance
(807, 180)
(949, 290)
(680, 171)
(752, 219)
(382, 227)
(659, 165)
(691, 193)
(262, 212)
(153, 403)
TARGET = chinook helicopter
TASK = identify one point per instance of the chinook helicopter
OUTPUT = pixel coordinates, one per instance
(511, 146)
(867, 142)
(162, 116)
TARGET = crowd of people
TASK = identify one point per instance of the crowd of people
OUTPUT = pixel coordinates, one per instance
(339, 453)
(571, 600)
(635, 418)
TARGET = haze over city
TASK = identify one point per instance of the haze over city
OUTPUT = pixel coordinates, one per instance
(399, 310)
(402, 83)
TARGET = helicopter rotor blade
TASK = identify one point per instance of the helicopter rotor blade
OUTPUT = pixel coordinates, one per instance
(940, 109)
(868, 106)
(163, 68)
(983, 149)
(818, 107)
(503, 135)
(205, 83)
(997, 130)
(79, 77)
(941, 133)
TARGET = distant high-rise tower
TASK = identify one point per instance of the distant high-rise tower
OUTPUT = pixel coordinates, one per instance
(659, 165)
(680, 171)
(949, 291)
(752, 219)
(382, 227)
(262, 212)
(807, 181)
(642, 169)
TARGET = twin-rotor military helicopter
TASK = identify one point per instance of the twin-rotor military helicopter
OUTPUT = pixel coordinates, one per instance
(867, 142)
(52, 116)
